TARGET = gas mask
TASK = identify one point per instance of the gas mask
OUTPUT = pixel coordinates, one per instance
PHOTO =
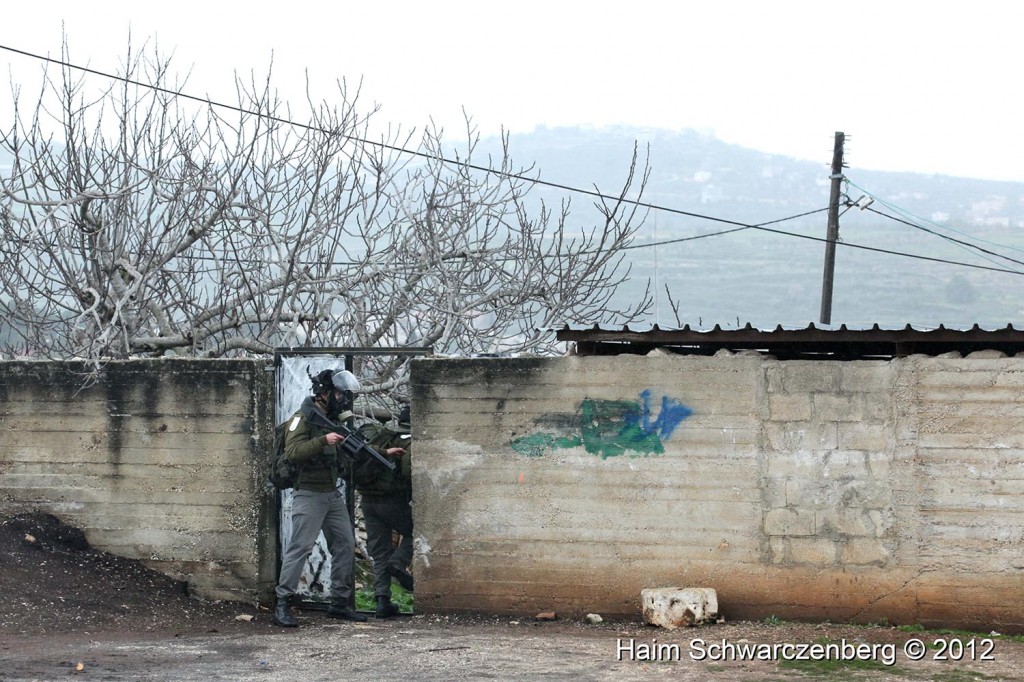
(339, 401)
(340, 387)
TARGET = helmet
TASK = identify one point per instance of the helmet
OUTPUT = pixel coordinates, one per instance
(334, 380)
(321, 382)
(340, 387)
(345, 381)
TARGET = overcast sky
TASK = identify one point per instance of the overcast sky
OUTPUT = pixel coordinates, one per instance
(929, 87)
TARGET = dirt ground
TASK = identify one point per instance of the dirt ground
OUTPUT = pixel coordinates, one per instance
(67, 610)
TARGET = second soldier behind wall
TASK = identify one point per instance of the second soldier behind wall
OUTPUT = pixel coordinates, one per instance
(385, 498)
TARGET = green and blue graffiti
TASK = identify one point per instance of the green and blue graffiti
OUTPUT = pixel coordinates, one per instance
(612, 427)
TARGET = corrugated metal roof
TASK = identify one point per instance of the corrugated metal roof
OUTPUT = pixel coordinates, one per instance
(807, 342)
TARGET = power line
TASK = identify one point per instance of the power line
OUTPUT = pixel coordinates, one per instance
(717, 234)
(894, 253)
(946, 237)
(382, 145)
(904, 212)
(513, 176)
(983, 252)
(973, 248)
(850, 245)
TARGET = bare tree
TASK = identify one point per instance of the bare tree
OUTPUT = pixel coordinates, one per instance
(137, 222)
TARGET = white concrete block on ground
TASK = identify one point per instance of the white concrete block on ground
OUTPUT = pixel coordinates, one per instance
(673, 607)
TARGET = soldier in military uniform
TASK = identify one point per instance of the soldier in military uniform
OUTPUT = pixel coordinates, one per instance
(318, 503)
(385, 498)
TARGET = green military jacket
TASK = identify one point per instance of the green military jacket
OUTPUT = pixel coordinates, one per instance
(372, 480)
(305, 444)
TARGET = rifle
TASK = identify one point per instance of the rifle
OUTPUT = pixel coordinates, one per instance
(353, 445)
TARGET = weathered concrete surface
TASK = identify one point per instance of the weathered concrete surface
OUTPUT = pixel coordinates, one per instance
(856, 491)
(161, 461)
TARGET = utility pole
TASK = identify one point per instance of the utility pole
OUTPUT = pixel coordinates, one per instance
(833, 229)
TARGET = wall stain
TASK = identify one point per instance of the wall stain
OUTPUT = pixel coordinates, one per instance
(609, 428)
(535, 445)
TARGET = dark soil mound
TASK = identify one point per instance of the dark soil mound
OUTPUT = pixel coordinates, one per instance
(53, 581)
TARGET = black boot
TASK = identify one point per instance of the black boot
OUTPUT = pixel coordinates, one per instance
(283, 615)
(386, 608)
(403, 577)
(343, 612)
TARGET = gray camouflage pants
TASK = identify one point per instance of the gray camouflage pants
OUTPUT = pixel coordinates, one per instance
(311, 513)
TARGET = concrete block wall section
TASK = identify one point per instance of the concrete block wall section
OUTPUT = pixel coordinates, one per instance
(856, 491)
(831, 461)
(161, 461)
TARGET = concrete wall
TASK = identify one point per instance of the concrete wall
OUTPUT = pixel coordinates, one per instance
(161, 461)
(855, 491)
(851, 491)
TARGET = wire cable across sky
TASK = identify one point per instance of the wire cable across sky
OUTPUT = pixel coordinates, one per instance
(738, 226)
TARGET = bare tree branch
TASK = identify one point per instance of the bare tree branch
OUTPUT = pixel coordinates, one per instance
(138, 223)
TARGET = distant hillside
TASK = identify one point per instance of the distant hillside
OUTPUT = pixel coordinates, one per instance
(768, 279)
